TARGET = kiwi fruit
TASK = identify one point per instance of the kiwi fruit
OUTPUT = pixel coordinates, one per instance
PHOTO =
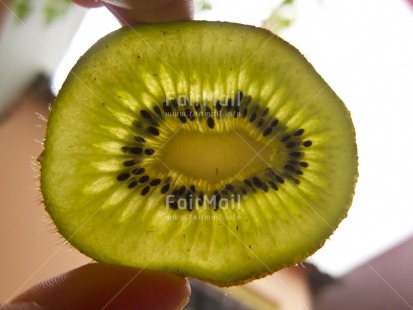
(208, 149)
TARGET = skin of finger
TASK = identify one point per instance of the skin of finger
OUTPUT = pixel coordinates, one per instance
(21, 306)
(102, 286)
(158, 11)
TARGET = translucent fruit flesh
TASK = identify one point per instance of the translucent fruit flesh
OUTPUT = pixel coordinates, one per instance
(212, 150)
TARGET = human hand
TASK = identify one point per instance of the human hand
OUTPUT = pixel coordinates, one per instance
(130, 12)
(103, 286)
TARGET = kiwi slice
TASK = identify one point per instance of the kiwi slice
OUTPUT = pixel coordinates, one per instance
(208, 149)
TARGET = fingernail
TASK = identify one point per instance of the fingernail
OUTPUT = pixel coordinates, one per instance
(97, 286)
(118, 3)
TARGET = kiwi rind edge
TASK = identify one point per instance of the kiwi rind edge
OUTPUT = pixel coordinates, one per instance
(47, 181)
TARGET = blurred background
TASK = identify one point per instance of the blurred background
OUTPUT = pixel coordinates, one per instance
(363, 49)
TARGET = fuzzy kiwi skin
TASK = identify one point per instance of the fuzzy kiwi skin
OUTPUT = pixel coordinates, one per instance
(81, 226)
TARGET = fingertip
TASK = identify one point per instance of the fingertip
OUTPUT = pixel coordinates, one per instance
(97, 286)
(160, 11)
(88, 3)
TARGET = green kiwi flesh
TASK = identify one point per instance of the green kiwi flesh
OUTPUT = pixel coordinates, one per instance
(212, 150)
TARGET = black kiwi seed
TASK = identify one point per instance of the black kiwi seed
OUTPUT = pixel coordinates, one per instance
(143, 179)
(257, 182)
(216, 197)
(307, 143)
(296, 181)
(174, 104)
(129, 163)
(173, 205)
(146, 114)
(249, 183)
(218, 106)
(303, 164)
(273, 185)
(260, 122)
(229, 187)
(230, 104)
(132, 184)
(167, 108)
(295, 154)
(138, 171)
(182, 191)
(200, 199)
(140, 139)
(267, 132)
(165, 188)
(210, 122)
(123, 177)
(149, 151)
(236, 111)
(285, 138)
(253, 117)
(155, 123)
(136, 150)
(299, 132)
(264, 187)
(289, 168)
(244, 113)
(290, 145)
(192, 189)
(157, 110)
(153, 131)
(265, 112)
(299, 172)
(274, 123)
(182, 118)
(189, 114)
(197, 107)
(145, 190)
(155, 182)
(279, 178)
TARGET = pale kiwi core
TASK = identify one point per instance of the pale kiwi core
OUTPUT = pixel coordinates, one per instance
(214, 157)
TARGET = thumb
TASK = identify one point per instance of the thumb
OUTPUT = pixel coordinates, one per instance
(131, 12)
(102, 286)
